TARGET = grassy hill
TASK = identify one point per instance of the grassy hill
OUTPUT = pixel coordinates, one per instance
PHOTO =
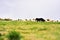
(32, 30)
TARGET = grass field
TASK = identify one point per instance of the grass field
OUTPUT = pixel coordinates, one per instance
(32, 30)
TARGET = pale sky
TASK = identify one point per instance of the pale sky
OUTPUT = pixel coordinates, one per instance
(30, 9)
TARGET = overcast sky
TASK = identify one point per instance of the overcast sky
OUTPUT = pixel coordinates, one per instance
(30, 9)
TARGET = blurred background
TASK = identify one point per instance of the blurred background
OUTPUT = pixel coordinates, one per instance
(30, 9)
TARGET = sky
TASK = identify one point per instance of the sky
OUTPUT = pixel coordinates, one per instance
(30, 9)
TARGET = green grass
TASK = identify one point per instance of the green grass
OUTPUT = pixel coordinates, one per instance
(32, 30)
(13, 35)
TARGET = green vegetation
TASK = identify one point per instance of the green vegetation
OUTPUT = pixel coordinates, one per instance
(30, 30)
(1, 38)
(13, 35)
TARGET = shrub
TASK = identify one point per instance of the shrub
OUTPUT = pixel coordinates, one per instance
(13, 35)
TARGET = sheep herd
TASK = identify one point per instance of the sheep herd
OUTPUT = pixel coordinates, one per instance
(33, 19)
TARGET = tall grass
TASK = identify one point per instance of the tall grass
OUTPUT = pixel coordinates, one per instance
(13, 35)
(30, 30)
(1, 37)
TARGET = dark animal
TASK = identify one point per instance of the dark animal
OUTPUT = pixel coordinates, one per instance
(40, 20)
(7, 19)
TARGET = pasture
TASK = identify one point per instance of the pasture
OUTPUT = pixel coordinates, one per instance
(31, 30)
